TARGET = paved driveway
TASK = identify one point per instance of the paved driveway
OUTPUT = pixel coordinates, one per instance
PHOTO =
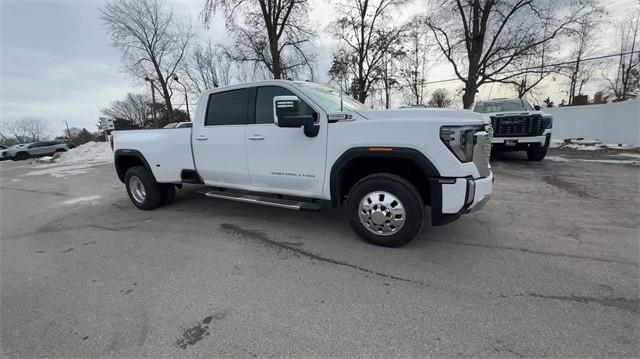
(548, 268)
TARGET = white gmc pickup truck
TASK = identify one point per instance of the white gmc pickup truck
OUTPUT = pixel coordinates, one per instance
(296, 144)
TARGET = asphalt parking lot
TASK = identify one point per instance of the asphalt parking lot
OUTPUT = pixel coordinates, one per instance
(548, 268)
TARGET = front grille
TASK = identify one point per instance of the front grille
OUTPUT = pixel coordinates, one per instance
(506, 126)
(482, 151)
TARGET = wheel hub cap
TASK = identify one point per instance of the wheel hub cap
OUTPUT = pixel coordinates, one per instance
(382, 213)
(137, 189)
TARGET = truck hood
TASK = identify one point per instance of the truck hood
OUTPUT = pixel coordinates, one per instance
(446, 116)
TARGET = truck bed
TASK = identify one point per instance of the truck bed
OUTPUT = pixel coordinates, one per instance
(168, 151)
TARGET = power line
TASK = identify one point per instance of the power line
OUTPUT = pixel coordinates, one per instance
(526, 68)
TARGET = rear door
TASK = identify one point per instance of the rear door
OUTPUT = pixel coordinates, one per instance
(37, 149)
(284, 160)
(219, 142)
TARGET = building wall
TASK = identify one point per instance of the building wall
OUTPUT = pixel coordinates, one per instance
(610, 123)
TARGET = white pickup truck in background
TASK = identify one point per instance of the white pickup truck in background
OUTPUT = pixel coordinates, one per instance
(517, 126)
(296, 144)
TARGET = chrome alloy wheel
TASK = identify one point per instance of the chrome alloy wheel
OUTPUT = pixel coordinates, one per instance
(381, 213)
(137, 189)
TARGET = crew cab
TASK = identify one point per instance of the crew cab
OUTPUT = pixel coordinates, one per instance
(299, 145)
(517, 126)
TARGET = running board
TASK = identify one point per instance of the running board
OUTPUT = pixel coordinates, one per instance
(267, 201)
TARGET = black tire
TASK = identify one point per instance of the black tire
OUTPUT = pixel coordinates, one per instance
(152, 196)
(168, 192)
(404, 191)
(536, 155)
(21, 156)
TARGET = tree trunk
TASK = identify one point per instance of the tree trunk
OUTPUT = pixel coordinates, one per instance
(469, 96)
(276, 67)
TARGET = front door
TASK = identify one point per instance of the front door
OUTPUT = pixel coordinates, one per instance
(219, 143)
(284, 160)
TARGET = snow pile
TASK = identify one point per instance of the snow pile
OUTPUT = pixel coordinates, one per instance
(581, 144)
(76, 161)
(90, 152)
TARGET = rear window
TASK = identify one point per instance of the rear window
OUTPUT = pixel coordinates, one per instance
(228, 108)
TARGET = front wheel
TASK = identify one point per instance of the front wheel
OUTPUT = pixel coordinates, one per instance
(21, 156)
(142, 188)
(385, 210)
(537, 155)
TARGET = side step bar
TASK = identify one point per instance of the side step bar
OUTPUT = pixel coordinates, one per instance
(267, 201)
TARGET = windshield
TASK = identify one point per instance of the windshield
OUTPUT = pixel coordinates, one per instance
(501, 106)
(330, 99)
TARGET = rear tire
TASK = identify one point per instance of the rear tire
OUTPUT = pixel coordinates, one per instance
(385, 210)
(143, 190)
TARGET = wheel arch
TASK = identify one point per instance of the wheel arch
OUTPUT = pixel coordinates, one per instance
(359, 162)
(126, 158)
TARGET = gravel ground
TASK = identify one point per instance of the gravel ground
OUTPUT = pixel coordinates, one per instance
(548, 268)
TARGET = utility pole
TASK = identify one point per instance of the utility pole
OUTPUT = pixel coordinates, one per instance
(186, 99)
(69, 133)
(153, 104)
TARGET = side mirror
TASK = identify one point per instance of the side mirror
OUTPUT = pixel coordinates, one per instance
(536, 107)
(286, 112)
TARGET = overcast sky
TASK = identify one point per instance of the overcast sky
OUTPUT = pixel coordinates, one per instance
(56, 60)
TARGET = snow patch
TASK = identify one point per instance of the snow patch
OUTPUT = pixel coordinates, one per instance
(556, 159)
(80, 200)
(616, 162)
(61, 171)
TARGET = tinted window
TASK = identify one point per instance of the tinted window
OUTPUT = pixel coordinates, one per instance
(264, 103)
(228, 108)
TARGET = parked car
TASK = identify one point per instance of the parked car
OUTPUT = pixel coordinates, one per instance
(293, 144)
(179, 125)
(4, 154)
(517, 126)
(35, 149)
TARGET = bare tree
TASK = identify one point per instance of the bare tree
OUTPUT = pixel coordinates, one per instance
(626, 77)
(152, 42)
(368, 37)
(132, 112)
(582, 44)
(206, 67)
(486, 40)
(413, 64)
(440, 98)
(272, 33)
(24, 129)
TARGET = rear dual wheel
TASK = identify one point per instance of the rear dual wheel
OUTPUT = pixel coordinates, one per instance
(143, 190)
(385, 210)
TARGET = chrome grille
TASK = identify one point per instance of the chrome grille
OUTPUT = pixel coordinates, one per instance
(529, 125)
(482, 150)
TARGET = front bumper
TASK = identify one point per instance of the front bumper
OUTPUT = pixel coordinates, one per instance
(453, 197)
(521, 143)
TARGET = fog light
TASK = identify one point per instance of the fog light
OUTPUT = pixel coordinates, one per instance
(471, 191)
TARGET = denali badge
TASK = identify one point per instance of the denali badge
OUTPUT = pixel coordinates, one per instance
(512, 121)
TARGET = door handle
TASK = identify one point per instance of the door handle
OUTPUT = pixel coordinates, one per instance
(256, 138)
(202, 138)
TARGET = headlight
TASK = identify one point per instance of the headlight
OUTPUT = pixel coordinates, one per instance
(460, 140)
(547, 122)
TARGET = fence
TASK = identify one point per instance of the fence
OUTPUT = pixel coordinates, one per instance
(612, 123)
